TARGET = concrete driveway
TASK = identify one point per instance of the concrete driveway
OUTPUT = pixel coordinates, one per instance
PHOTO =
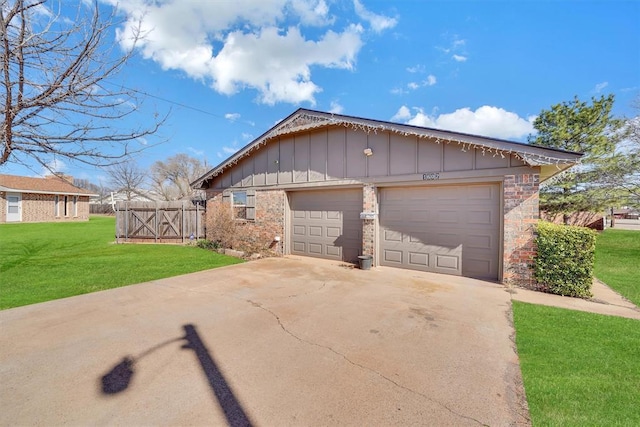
(286, 341)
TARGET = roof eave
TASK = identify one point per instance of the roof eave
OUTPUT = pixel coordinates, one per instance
(530, 154)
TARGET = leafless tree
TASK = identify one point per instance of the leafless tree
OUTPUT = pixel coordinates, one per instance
(127, 177)
(59, 98)
(171, 178)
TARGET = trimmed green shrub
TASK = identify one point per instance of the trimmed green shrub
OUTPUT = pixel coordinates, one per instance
(564, 264)
(207, 244)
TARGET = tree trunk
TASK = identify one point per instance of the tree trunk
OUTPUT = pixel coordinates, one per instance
(613, 219)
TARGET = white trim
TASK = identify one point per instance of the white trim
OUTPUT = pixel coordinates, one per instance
(13, 190)
(19, 214)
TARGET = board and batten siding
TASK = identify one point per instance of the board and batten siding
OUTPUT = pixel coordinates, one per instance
(336, 154)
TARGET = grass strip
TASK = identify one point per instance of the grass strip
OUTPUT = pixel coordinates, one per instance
(579, 369)
(46, 261)
(618, 262)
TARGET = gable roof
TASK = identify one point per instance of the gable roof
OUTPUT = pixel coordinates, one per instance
(50, 185)
(552, 161)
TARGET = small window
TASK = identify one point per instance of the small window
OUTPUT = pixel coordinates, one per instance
(75, 205)
(66, 201)
(243, 204)
(56, 206)
(240, 204)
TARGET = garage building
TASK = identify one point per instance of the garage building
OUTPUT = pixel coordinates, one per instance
(336, 187)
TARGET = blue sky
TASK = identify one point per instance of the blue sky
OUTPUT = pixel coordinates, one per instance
(482, 67)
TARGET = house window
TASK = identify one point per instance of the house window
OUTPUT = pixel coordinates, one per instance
(56, 206)
(66, 201)
(240, 204)
(243, 204)
(75, 205)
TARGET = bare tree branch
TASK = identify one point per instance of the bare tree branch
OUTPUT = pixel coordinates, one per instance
(171, 179)
(60, 101)
(127, 177)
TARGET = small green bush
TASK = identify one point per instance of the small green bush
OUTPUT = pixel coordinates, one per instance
(207, 244)
(564, 264)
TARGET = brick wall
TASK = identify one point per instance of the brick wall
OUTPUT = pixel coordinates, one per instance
(369, 204)
(520, 218)
(40, 208)
(269, 220)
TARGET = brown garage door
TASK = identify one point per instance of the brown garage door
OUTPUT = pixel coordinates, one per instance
(446, 229)
(326, 224)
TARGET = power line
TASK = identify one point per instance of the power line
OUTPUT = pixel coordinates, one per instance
(170, 101)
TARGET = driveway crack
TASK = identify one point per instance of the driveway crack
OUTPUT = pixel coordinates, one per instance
(301, 294)
(366, 368)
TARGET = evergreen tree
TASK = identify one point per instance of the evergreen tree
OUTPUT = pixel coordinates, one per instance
(598, 182)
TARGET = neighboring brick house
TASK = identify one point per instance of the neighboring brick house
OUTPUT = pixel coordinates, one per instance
(50, 199)
(336, 187)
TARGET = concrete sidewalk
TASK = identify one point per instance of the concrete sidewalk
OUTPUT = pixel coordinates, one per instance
(605, 301)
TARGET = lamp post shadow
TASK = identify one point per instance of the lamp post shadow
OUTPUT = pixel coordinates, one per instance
(119, 377)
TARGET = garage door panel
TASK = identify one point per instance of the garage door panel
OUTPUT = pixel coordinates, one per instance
(315, 248)
(479, 242)
(333, 251)
(478, 266)
(327, 224)
(333, 232)
(313, 215)
(315, 231)
(448, 262)
(447, 229)
(392, 256)
(419, 259)
(448, 217)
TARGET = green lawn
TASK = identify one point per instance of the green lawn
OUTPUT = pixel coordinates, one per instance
(46, 261)
(618, 262)
(579, 369)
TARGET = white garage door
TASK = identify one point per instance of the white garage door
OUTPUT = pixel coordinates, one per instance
(326, 224)
(447, 229)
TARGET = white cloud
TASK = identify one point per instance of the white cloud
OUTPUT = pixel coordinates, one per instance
(397, 91)
(455, 46)
(600, 86)
(416, 69)
(54, 166)
(403, 114)
(228, 150)
(232, 117)
(486, 121)
(336, 108)
(378, 23)
(199, 153)
(246, 136)
(430, 81)
(247, 44)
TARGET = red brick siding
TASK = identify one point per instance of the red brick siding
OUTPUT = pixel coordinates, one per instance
(40, 208)
(269, 218)
(369, 229)
(520, 194)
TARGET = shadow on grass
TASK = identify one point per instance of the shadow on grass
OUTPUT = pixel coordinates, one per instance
(119, 377)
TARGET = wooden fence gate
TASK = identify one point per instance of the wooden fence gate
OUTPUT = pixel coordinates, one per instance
(160, 222)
